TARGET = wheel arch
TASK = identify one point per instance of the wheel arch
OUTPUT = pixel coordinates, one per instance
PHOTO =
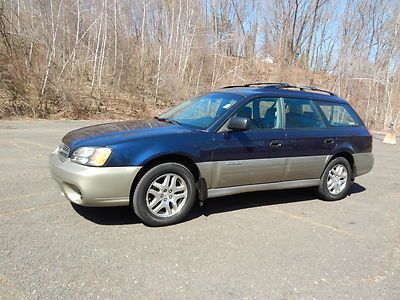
(167, 158)
(348, 156)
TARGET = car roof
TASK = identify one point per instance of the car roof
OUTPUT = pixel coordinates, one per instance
(284, 91)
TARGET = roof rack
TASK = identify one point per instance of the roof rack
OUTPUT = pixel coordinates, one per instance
(283, 85)
(311, 88)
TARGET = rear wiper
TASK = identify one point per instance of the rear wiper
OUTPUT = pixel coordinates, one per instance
(167, 120)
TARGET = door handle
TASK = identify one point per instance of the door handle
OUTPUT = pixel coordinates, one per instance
(329, 141)
(275, 143)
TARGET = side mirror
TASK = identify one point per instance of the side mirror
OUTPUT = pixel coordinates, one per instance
(239, 124)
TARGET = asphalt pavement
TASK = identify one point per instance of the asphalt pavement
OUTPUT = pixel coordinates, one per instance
(266, 245)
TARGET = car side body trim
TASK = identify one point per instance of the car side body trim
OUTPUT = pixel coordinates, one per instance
(221, 174)
(205, 169)
(305, 167)
(219, 192)
(295, 168)
(247, 172)
(363, 163)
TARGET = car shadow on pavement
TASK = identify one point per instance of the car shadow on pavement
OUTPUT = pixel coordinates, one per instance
(258, 199)
(124, 215)
(355, 188)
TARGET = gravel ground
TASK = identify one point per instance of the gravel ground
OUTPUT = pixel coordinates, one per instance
(275, 245)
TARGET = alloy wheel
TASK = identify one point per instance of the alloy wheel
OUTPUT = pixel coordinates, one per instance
(166, 195)
(337, 179)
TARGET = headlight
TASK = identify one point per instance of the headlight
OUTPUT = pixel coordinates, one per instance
(91, 156)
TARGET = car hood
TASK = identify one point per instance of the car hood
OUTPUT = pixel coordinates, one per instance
(115, 132)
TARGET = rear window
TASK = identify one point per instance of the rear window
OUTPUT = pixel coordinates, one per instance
(339, 115)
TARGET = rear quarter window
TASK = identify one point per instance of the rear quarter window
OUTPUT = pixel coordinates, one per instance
(339, 115)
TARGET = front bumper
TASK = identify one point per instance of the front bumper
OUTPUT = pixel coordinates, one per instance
(93, 186)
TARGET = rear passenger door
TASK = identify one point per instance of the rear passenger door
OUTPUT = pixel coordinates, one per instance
(351, 135)
(309, 140)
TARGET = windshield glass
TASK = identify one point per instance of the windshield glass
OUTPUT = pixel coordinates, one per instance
(202, 111)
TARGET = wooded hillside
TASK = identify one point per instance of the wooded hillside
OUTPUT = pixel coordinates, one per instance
(134, 58)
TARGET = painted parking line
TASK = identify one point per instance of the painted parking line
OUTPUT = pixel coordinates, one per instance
(35, 144)
(19, 146)
(25, 196)
(29, 209)
(315, 223)
(16, 142)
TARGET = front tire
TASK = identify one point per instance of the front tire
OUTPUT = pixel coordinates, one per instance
(336, 180)
(164, 195)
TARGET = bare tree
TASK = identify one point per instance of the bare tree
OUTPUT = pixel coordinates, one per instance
(117, 57)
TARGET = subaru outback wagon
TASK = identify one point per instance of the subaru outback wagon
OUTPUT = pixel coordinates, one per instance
(238, 139)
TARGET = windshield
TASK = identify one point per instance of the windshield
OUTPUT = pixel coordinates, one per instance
(202, 111)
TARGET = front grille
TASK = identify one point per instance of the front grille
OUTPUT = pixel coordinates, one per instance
(63, 152)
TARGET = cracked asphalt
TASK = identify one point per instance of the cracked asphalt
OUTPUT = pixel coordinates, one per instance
(267, 245)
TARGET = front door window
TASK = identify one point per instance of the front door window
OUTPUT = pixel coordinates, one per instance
(263, 113)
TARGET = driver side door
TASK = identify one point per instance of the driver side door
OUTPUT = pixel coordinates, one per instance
(255, 156)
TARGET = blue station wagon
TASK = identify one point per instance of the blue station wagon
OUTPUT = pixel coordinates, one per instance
(238, 139)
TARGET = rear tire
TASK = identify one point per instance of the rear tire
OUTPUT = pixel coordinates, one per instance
(336, 180)
(164, 195)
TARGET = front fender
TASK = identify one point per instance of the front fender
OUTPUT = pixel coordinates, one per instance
(197, 147)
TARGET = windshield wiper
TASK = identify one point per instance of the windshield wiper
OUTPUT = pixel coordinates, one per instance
(167, 120)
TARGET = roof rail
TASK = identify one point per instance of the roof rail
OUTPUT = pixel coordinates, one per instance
(283, 85)
(312, 88)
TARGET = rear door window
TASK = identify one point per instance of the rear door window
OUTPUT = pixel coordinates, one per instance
(339, 115)
(302, 113)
